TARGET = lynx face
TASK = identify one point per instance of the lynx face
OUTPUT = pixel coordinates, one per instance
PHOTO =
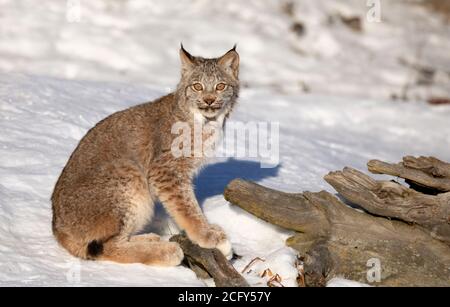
(210, 85)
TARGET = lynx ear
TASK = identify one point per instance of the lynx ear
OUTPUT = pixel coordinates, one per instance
(187, 60)
(230, 62)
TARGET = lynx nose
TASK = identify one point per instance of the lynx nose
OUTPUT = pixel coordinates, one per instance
(209, 100)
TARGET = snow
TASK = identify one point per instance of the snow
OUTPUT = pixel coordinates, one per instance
(134, 40)
(58, 78)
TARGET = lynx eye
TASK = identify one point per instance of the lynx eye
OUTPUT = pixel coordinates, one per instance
(220, 86)
(197, 86)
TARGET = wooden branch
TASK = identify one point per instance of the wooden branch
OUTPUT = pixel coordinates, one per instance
(390, 199)
(209, 263)
(336, 240)
(425, 171)
(293, 211)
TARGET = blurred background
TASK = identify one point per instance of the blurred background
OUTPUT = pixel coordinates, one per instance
(397, 50)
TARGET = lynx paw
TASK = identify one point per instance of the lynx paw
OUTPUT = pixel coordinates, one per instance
(214, 237)
(226, 249)
(173, 255)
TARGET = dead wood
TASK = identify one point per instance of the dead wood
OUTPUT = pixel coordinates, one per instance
(336, 240)
(423, 171)
(392, 200)
(209, 263)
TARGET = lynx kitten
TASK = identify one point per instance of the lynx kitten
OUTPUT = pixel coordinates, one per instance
(106, 192)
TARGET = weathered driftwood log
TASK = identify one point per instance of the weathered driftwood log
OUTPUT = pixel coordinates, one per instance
(207, 263)
(336, 240)
(391, 199)
(423, 171)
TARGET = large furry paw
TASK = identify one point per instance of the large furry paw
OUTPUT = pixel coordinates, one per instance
(212, 236)
(226, 249)
(173, 254)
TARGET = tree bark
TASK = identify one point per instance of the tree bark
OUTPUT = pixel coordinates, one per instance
(391, 199)
(207, 263)
(336, 240)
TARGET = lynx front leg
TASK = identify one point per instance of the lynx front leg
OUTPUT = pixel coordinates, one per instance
(179, 200)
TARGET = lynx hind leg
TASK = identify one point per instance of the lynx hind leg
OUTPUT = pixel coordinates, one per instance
(139, 251)
(103, 222)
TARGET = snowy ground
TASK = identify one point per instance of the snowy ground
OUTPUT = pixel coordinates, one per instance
(58, 78)
(136, 41)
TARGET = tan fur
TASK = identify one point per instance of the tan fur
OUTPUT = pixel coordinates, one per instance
(106, 192)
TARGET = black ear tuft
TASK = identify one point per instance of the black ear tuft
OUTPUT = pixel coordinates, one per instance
(187, 54)
(230, 61)
(187, 60)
